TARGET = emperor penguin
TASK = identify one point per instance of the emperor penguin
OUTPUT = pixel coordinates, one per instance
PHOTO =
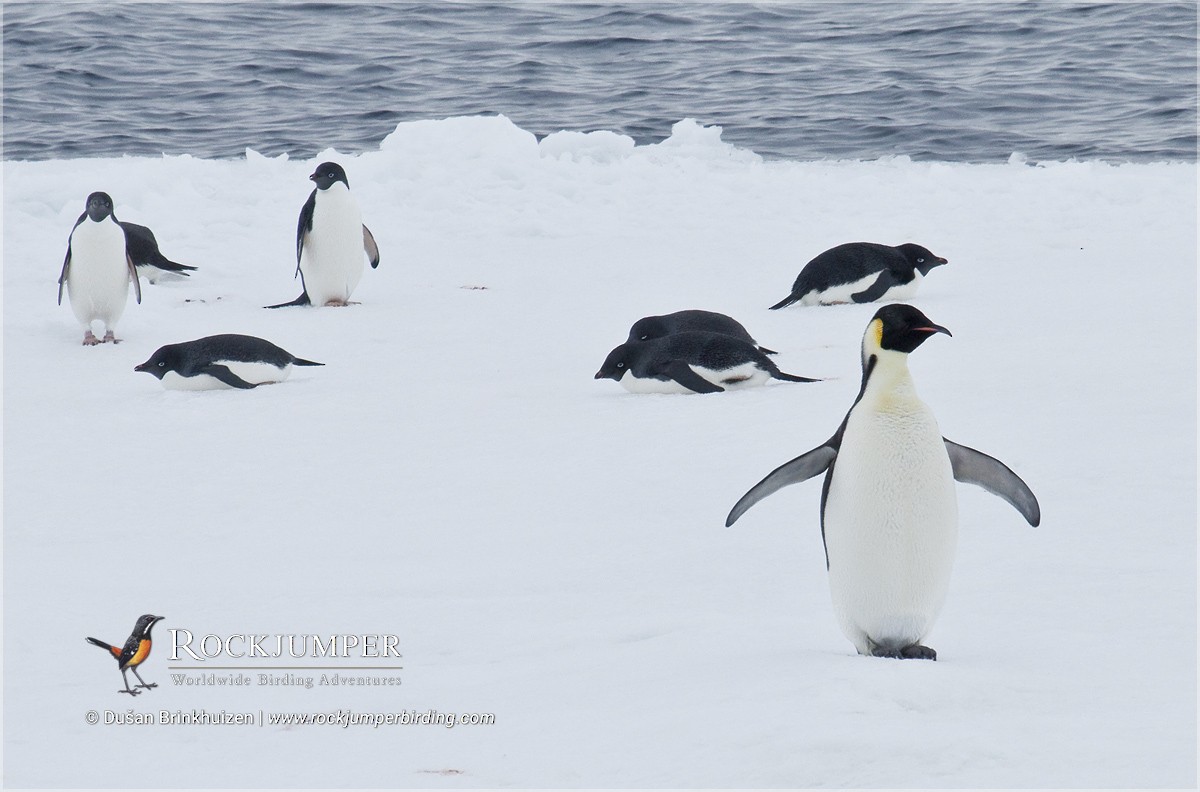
(889, 515)
(97, 270)
(330, 240)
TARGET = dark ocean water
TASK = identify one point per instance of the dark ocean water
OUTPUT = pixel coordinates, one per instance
(968, 82)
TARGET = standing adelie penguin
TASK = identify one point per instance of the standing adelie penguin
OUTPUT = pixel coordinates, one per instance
(861, 272)
(97, 270)
(221, 361)
(690, 362)
(147, 258)
(650, 327)
(889, 515)
(330, 240)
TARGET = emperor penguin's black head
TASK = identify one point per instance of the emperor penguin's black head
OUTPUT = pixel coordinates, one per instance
(617, 362)
(920, 258)
(99, 206)
(327, 174)
(165, 359)
(898, 328)
(145, 624)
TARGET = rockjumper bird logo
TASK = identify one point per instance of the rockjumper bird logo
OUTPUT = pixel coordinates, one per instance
(133, 653)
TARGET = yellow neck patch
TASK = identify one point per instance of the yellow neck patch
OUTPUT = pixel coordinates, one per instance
(875, 333)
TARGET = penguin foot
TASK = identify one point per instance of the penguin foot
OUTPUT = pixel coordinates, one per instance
(110, 338)
(911, 652)
(89, 339)
(340, 303)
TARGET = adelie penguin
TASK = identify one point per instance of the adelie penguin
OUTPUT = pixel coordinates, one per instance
(690, 362)
(147, 258)
(650, 327)
(221, 361)
(330, 241)
(98, 269)
(861, 272)
(889, 514)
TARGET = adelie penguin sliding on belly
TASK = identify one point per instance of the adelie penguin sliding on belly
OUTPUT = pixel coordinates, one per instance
(690, 362)
(861, 272)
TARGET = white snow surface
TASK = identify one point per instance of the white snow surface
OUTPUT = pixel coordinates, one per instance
(549, 547)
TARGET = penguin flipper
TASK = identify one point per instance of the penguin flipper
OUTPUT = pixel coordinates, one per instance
(371, 248)
(137, 284)
(885, 281)
(62, 279)
(304, 225)
(222, 373)
(683, 374)
(975, 467)
(802, 468)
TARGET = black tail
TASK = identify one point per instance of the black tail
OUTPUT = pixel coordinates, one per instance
(101, 644)
(302, 361)
(301, 300)
(791, 377)
(164, 263)
(784, 303)
(766, 351)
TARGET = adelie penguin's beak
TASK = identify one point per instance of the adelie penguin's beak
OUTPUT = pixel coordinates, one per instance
(313, 177)
(599, 375)
(941, 260)
(140, 367)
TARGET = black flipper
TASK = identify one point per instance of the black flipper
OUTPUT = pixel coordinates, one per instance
(885, 281)
(225, 375)
(802, 468)
(304, 225)
(303, 362)
(766, 351)
(683, 374)
(137, 284)
(301, 300)
(371, 248)
(62, 279)
(975, 467)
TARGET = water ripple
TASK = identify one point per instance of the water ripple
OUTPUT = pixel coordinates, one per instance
(962, 82)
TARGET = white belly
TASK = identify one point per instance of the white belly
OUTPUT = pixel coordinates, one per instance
(333, 258)
(650, 385)
(891, 525)
(254, 373)
(98, 276)
(745, 375)
(844, 293)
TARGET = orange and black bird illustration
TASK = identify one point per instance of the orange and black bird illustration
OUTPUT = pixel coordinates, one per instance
(133, 653)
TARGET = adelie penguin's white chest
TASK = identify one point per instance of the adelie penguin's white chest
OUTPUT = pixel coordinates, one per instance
(98, 275)
(891, 520)
(844, 293)
(741, 376)
(253, 373)
(332, 260)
